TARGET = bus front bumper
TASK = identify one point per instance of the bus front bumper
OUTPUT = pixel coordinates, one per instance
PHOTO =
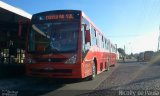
(59, 71)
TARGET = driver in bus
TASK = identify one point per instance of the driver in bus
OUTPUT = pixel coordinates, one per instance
(69, 39)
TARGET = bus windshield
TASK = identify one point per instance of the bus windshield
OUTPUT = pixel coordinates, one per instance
(53, 37)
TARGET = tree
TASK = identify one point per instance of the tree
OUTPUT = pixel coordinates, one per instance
(121, 51)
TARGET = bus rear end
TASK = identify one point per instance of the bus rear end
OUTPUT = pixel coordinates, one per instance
(148, 55)
(53, 46)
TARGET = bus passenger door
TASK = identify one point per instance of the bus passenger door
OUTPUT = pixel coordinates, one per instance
(86, 40)
(86, 45)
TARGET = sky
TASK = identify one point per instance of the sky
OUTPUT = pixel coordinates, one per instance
(130, 23)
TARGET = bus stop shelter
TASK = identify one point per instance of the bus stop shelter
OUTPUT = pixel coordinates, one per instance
(12, 45)
(9, 25)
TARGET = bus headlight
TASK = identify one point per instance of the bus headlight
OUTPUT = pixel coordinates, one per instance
(72, 60)
(30, 61)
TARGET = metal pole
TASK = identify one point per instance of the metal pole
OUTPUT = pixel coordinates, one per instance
(124, 53)
(158, 39)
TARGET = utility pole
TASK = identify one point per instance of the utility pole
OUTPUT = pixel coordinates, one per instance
(124, 49)
(158, 39)
(124, 57)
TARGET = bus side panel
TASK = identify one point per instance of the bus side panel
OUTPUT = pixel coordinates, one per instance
(102, 61)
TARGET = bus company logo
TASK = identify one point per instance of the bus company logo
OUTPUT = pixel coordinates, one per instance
(48, 68)
(49, 60)
(60, 16)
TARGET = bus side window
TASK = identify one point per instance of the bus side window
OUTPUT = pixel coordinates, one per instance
(105, 43)
(93, 34)
(99, 40)
(109, 46)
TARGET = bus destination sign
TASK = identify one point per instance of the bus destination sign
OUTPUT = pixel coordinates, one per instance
(56, 16)
(59, 17)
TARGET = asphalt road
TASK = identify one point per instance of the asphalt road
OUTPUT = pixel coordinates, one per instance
(130, 78)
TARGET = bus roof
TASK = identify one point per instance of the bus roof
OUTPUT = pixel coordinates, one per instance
(85, 16)
(51, 11)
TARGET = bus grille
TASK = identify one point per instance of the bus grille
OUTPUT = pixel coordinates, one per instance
(53, 71)
(50, 59)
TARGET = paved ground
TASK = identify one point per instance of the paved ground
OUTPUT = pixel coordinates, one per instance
(27, 86)
(130, 79)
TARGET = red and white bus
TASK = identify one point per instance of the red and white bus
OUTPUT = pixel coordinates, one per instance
(66, 44)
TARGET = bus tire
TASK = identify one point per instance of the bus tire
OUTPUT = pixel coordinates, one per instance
(113, 65)
(93, 72)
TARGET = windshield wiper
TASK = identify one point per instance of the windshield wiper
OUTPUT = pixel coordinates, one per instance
(55, 50)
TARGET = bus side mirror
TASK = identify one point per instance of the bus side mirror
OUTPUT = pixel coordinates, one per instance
(87, 37)
(20, 30)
